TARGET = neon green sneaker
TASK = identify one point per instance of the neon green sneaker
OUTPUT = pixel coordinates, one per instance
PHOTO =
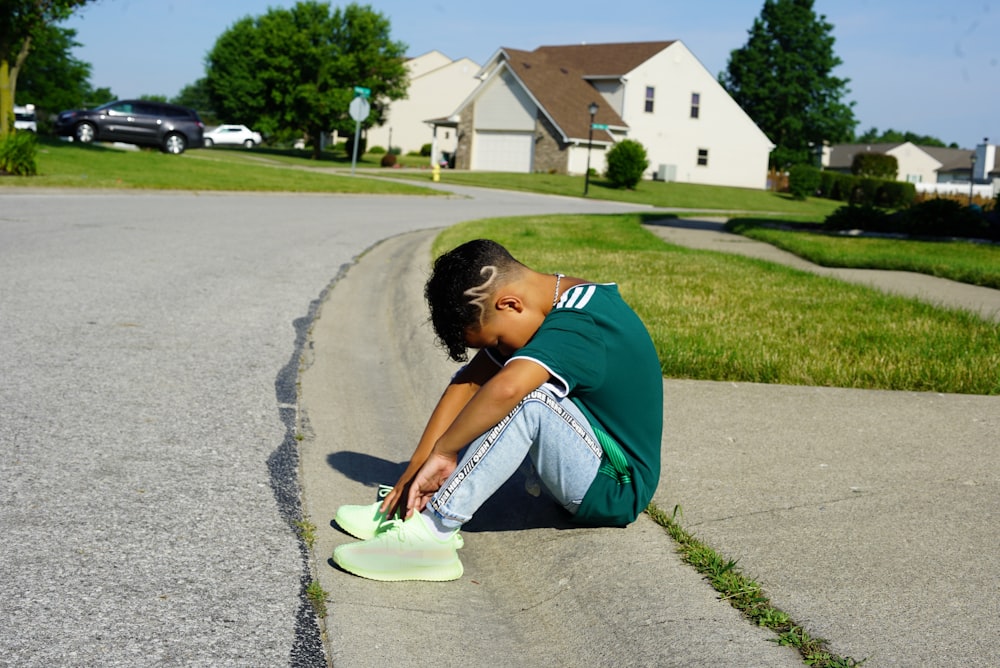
(403, 550)
(363, 521)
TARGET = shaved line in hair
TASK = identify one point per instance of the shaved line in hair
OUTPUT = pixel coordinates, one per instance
(480, 295)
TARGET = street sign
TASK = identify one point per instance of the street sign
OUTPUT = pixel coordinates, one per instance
(359, 108)
(599, 126)
(362, 91)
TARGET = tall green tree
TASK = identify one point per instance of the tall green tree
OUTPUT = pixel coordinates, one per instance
(783, 78)
(20, 23)
(52, 79)
(296, 69)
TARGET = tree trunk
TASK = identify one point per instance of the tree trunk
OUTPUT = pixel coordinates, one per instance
(8, 87)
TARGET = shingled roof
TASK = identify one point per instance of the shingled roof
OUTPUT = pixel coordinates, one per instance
(558, 78)
(951, 159)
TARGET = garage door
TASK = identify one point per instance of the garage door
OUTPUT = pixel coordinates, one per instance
(503, 151)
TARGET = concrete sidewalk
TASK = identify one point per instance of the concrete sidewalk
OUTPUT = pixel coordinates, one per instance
(868, 516)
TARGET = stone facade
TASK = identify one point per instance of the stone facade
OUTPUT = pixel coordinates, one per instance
(551, 155)
(463, 153)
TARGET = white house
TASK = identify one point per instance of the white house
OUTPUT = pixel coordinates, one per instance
(531, 114)
(437, 85)
(929, 168)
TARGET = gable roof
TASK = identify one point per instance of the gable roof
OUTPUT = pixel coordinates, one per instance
(558, 78)
(951, 159)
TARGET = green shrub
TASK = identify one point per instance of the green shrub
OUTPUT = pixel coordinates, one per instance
(852, 217)
(843, 185)
(895, 194)
(627, 162)
(864, 191)
(425, 150)
(376, 150)
(803, 181)
(875, 166)
(826, 183)
(17, 154)
(941, 217)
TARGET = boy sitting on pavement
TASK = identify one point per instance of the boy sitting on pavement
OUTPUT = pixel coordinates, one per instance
(565, 374)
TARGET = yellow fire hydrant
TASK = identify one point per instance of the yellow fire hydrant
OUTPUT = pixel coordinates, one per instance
(436, 172)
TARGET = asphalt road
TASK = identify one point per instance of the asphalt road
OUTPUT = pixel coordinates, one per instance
(149, 348)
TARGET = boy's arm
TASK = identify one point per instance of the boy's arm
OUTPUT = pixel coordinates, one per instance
(460, 390)
(493, 402)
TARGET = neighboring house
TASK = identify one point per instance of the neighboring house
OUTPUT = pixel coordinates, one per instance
(929, 168)
(530, 114)
(437, 85)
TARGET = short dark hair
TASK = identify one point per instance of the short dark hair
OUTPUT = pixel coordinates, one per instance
(451, 290)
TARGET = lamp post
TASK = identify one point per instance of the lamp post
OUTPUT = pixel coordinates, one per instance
(972, 177)
(592, 108)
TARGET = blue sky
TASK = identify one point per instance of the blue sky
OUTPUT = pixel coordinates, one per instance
(925, 66)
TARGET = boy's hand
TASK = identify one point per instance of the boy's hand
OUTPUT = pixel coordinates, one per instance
(395, 498)
(431, 476)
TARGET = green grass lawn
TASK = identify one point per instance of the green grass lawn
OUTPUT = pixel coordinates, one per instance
(974, 263)
(716, 316)
(689, 196)
(63, 164)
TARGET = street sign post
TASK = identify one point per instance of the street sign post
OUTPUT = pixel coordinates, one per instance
(358, 110)
(599, 126)
(362, 91)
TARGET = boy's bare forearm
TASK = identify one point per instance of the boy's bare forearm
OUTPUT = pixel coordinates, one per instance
(490, 404)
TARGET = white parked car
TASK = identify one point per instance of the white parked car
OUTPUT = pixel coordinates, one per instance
(232, 135)
(24, 118)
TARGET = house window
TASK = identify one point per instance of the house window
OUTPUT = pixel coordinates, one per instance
(695, 104)
(703, 157)
(650, 91)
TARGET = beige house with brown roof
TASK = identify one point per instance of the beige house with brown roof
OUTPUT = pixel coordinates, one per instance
(929, 168)
(437, 85)
(530, 114)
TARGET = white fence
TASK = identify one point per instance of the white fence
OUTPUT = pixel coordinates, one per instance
(987, 191)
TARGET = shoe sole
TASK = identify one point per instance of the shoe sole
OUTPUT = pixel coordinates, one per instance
(435, 574)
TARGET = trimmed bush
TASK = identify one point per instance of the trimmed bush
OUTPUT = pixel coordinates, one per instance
(425, 150)
(875, 166)
(803, 181)
(895, 194)
(856, 218)
(864, 191)
(17, 154)
(389, 160)
(376, 150)
(627, 162)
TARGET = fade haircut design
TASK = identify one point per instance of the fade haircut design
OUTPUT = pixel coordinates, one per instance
(459, 290)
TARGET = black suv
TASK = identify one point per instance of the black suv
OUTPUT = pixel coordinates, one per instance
(168, 126)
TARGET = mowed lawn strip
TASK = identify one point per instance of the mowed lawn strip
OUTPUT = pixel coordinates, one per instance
(716, 316)
(62, 164)
(963, 261)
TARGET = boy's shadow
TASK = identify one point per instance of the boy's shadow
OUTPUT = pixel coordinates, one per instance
(512, 508)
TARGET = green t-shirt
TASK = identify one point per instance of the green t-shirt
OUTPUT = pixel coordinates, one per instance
(599, 354)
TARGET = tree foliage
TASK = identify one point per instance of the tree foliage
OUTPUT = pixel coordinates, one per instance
(783, 78)
(297, 68)
(873, 136)
(52, 79)
(21, 21)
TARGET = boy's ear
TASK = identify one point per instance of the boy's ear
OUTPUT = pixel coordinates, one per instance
(511, 302)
